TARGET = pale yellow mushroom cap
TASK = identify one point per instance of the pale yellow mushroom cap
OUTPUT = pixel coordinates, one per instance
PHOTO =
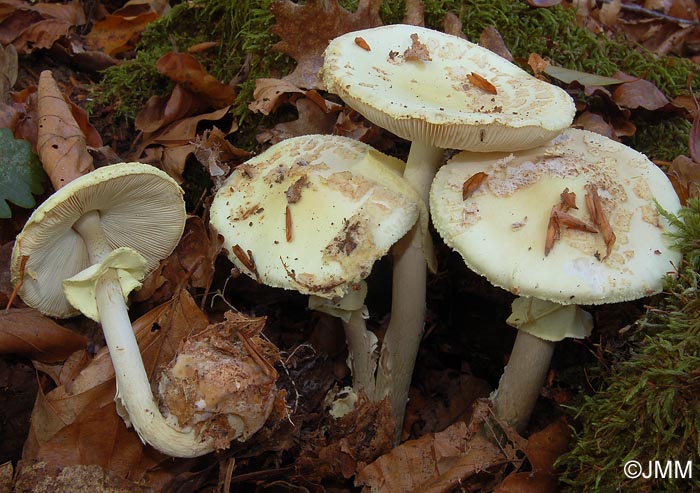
(347, 205)
(433, 101)
(140, 208)
(501, 229)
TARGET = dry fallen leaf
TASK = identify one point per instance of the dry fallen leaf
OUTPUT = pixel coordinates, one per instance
(312, 120)
(32, 26)
(545, 446)
(438, 462)
(684, 174)
(306, 29)
(638, 93)
(61, 144)
(8, 71)
(269, 94)
(161, 111)
(472, 184)
(26, 332)
(186, 70)
(116, 33)
(341, 445)
(492, 40)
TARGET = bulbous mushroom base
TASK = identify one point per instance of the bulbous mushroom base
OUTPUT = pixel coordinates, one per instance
(221, 384)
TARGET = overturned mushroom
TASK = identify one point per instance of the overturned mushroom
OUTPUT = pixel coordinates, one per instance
(313, 214)
(83, 250)
(582, 267)
(440, 92)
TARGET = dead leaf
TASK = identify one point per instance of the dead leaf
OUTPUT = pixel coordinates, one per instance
(184, 69)
(269, 94)
(595, 123)
(414, 13)
(638, 93)
(191, 264)
(609, 13)
(483, 84)
(26, 332)
(472, 184)
(31, 26)
(684, 174)
(77, 423)
(61, 144)
(452, 25)
(116, 33)
(217, 154)
(162, 111)
(528, 482)
(537, 64)
(417, 464)
(306, 29)
(312, 120)
(8, 71)
(600, 220)
(544, 447)
(341, 445)
(694, 137)
(583, 78)
(41, 476)
(492, 40)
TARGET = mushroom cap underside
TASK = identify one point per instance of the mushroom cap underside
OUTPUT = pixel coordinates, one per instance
(140, 208)
(501, 229)
(314, 213)
(444, 101)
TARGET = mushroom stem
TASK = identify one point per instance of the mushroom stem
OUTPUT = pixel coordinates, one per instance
(403, 336)
(133, 388)
(522, 379)
(362, 353)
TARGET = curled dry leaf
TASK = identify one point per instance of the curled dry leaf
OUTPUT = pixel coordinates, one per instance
(360, 41)
(184, 69)
(415, 13)
(288, 224)
(595, 209)
(8, 71)
(61, 144)
(472, 184)
(559, 217)
(480, 82)
(26, 332)
(684, 174)
(269, 94)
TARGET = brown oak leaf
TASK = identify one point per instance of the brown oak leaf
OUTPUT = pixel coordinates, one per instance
(305, 31)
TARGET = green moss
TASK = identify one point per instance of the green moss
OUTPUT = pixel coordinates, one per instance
(662, 139)
(647, 408)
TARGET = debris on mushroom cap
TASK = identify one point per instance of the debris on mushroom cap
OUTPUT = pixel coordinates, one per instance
(140, 207)
(550, 321)
(528, 184)
(435, 99)
(222, 382)
(348, 204)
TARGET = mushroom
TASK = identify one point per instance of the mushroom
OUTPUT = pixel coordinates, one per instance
(83, 250)
(572, 222)
(313, 214)
(438, 91)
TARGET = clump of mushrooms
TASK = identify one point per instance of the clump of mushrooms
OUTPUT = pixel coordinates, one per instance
(440, 92)
(519, 219)
(83, 250)
(313, 214)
